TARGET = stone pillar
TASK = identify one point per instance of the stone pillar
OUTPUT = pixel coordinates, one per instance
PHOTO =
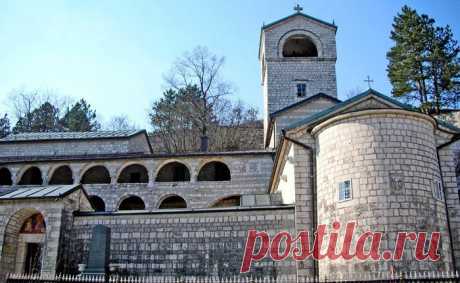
(113, 174)
(76, 171)
(304, 176)
(150, 165)
(45, 170)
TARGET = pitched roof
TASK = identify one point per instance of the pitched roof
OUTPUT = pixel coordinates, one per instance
(309, 99)
(39, 192)
(320, 116)
(299, 14)
(53, 136)
(273, 115)
(325, 113)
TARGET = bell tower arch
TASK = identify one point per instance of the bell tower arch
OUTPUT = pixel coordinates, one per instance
(297, 55)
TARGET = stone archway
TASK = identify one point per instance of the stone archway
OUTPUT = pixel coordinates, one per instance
(23, 247)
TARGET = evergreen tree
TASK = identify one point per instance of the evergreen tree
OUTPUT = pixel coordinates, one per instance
(5, 127)
(42, 119)
(179, 116)
(424, 66)
(172, 118)
(80, 118)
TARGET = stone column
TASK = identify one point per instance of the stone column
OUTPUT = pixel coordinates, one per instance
(304, 176)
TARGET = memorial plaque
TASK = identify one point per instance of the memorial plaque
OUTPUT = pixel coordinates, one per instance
(99, 251)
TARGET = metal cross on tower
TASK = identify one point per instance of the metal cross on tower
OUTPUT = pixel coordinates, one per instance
(369, 81)
(298, 9)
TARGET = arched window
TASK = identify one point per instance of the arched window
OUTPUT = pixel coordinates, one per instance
(32, 176)
(134, 174)
(96, 175)
(5, 177)
(173, 172)
(98, 203)
(62, 176)
(214, 171)
(299, 46)
(35, 224)
(172, 202)
(228, 202)
(132, 203)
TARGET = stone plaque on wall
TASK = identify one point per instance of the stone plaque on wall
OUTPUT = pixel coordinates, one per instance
(99, 251)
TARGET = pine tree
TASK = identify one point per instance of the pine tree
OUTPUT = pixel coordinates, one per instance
(424, 66)
(80, 118)
(42, 119)
(5, 127)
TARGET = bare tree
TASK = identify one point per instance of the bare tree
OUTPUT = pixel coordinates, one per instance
(237, 121)
(120, 123)
(202, 69)
(175, 131)
(22, 101)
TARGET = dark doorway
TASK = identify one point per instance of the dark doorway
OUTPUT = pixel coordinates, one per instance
(214, 171)
(33, 258)
(134, 174)
(62, 176)
(173, 172)
(96, 175)
(173, 202)
(132, 203)
(5, 177)
(33, 176)
(98, 203)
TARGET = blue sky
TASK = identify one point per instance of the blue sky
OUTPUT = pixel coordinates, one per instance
(113, 53)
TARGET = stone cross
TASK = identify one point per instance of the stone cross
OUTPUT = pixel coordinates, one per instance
(369, 81)
(298, 9)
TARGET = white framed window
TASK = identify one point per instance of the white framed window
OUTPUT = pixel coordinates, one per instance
(345, 190)
(438, 191)
(301, 90)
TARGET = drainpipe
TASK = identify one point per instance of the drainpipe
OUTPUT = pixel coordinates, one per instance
(454, 139)
(313, 177)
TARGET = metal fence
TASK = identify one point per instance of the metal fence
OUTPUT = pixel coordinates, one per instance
(377, 277)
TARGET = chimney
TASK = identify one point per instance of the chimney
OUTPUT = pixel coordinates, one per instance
(204, 143)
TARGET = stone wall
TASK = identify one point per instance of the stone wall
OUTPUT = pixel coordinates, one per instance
(390, 158)
(137, 144)
(296, 114)
(199, 243)
(250, 174)
(13, 213)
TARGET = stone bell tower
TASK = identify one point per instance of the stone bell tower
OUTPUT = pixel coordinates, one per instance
(297, 55)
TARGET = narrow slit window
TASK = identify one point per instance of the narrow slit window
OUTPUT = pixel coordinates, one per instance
(301, 90)
(438, 192)
(345, 190)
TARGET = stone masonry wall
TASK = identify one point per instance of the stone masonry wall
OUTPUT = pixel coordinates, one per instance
(76, 147)
(296, 114)
(391, 160)
(250, 175)
(206, 243)
(281, 75)
(447, 157)
(12, 216)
